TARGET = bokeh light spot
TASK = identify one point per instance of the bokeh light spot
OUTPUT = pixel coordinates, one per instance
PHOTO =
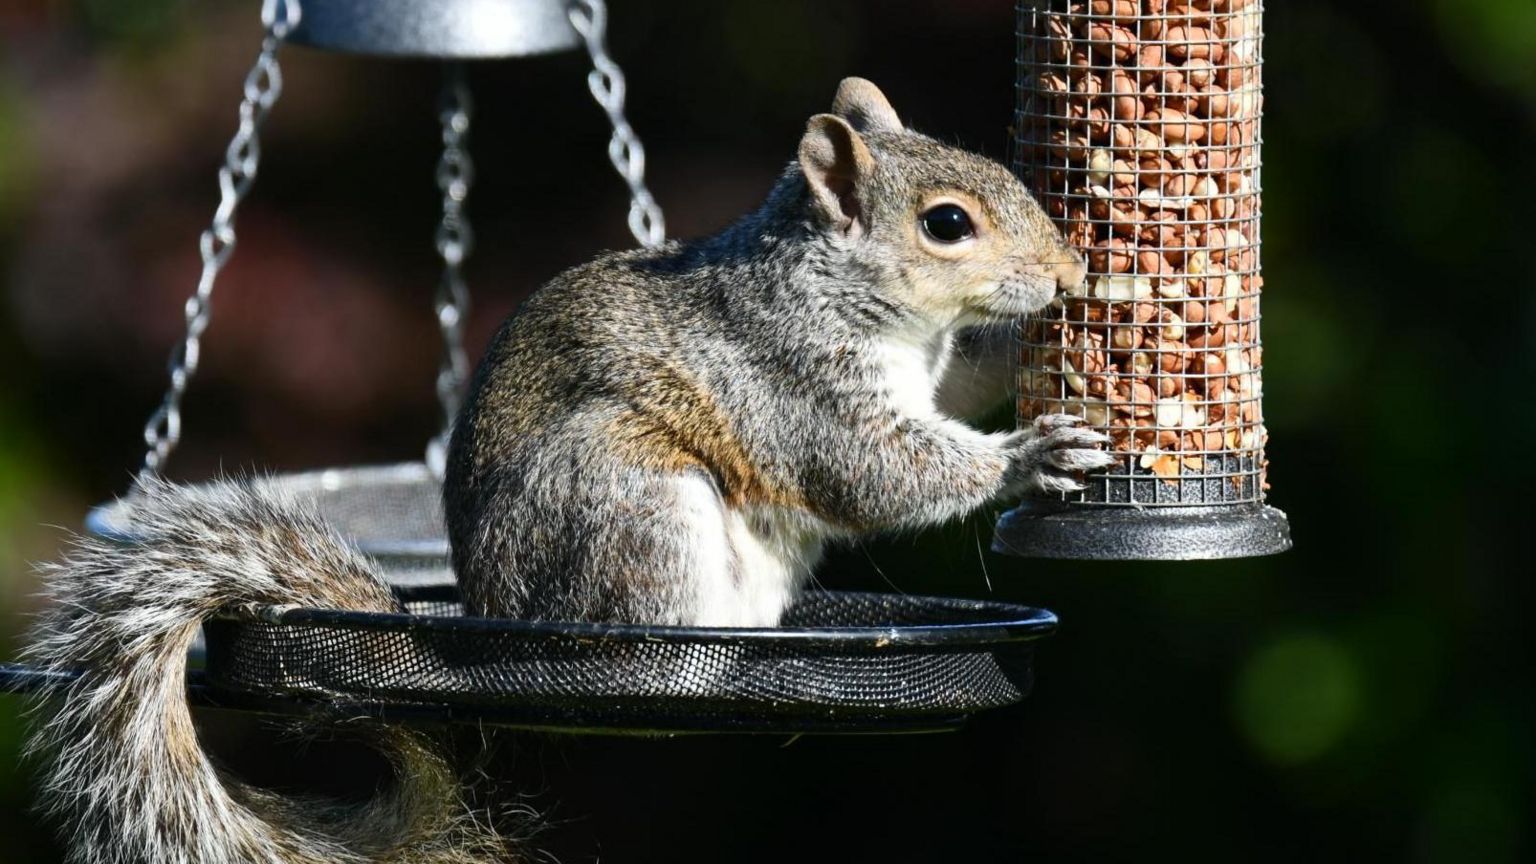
(1297, 697)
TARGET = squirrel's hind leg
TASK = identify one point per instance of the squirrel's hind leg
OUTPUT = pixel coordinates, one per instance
(717, 566)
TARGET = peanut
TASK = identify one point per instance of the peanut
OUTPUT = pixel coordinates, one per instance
(1199, 71)
(1111, 41)
(1125, 105)
(1113, 256)
(1120, 10)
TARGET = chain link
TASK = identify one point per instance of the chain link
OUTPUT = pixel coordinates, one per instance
(263, 85)
(606, 81)
(455, 173)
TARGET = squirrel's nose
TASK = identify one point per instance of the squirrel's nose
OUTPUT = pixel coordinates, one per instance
(1070, 275)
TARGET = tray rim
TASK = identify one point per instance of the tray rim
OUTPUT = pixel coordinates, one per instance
(1015, 637)
(1023, 624)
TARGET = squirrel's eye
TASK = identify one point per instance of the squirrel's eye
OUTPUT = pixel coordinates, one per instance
(947, 223)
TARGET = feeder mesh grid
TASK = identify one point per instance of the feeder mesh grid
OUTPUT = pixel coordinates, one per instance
(1138, 129)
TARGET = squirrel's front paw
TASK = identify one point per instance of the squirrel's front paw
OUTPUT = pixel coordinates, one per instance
(1053, 453)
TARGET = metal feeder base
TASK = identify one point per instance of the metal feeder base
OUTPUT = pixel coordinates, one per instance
(1049, 529)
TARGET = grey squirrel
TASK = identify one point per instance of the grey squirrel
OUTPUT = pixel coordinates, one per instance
(658, 436)
(671, 436)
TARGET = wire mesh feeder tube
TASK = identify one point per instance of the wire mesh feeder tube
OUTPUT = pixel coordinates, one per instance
(1138, 129)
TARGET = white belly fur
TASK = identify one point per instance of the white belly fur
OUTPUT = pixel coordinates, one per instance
(746, 565)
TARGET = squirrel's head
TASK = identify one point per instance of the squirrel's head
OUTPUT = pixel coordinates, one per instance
(945, 232)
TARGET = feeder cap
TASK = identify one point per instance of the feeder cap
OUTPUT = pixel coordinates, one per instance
(442, 29)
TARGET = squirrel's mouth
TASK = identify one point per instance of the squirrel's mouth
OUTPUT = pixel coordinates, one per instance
(1013, 297)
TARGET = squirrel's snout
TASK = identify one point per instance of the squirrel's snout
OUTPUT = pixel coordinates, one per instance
(1070, 275)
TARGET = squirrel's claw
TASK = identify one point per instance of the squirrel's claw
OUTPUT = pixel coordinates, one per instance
(1059, 483)
(1081, 459)
(1054, 452)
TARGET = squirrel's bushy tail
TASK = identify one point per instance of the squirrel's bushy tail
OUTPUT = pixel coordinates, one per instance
(123, 767)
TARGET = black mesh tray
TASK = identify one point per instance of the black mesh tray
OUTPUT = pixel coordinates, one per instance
(842, 662)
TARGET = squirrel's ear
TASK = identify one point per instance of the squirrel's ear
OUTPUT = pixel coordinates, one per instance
(835, 160)
(863, 105)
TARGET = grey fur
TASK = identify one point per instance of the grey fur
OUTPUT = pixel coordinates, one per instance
(123, 770)
(561, 496)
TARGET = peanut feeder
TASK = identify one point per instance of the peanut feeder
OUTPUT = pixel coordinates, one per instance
(1138, 129)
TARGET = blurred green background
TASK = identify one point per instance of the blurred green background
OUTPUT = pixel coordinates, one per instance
(1361, 698)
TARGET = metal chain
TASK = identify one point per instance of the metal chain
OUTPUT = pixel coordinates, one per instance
(455, 173)
(606, 81)
(263, 84)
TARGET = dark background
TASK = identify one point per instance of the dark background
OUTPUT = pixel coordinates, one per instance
(1359, 698)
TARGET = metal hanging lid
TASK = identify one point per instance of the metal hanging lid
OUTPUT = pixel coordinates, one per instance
(442, 29)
